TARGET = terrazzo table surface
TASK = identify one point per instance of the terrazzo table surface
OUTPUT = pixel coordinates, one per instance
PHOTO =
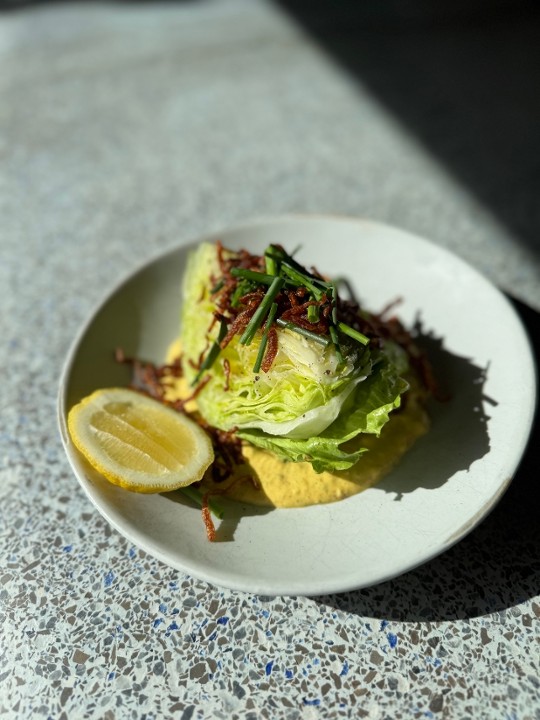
(126, 129)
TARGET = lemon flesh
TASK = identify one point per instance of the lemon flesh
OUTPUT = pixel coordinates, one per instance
(138, 443)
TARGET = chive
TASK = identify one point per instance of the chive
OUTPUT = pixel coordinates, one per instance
(302, 279)
(258, 277)
(277, 253)
(272, 267)
(241, 289)
(287, 325)
(351, 332)
(220, 283)
(260, 354)
(334, 303)
(262, 311)
(214, 351)
(196, 496)
(335, 340)
(264, 339)
(313, 314)
(280, 254)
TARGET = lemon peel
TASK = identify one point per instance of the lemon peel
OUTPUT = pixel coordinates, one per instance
(137, 442)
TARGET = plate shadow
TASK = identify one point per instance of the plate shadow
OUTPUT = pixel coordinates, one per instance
(233, 513)
(459, 434)
(494, 568)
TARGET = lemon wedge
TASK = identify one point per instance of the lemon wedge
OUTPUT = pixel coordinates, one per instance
(138, 443)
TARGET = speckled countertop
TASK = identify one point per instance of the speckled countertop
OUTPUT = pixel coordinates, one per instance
(126, 128)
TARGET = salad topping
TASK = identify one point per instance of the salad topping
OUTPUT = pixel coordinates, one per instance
(270, 291)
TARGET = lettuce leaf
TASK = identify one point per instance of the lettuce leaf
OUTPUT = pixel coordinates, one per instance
(366, 411)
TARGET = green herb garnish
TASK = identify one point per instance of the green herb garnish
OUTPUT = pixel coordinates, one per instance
(253, 275)
(264, 339)
(313, 313)
(352, 333)
(288, 325)
(282, 271)
(214, 351)
(262, 311)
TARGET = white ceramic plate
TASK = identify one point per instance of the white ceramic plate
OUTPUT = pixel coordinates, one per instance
(441, 490)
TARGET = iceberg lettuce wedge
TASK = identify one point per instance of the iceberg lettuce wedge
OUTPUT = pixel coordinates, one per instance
(366, 411)
(318, 394)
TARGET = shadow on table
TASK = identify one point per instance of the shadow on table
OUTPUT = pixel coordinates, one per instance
(494, 568)
(461, 76)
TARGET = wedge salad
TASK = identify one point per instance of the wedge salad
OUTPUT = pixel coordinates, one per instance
(290, 393)
(282, 360)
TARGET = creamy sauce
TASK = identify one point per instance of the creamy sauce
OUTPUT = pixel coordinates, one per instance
(287, 484)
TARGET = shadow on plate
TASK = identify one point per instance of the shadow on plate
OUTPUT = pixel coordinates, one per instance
(493, 569)
(234, 512)
(459, 423)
